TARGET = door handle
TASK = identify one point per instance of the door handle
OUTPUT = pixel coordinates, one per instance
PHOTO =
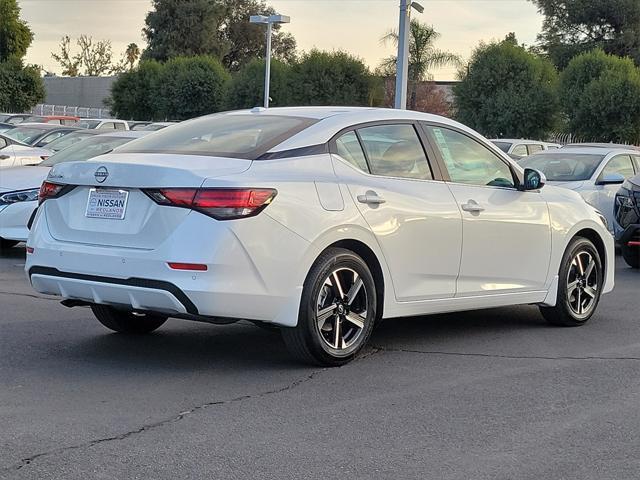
(371, 198)
(472, 206)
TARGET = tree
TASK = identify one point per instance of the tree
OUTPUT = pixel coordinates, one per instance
(574, 26)
(21, 87)
(332, 78)
(506, 91)
(134, 95)
(219, 28)
(131, 56)
(246, 89)
(94, 58)
(15, 34)
(601, 97)
(190, 87)
(423, 57)
(70, 63)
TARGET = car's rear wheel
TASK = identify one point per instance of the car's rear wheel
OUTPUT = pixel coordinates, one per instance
(579, 287)
(127, 322)
(7, 244)
(337, 310)
(631, 255)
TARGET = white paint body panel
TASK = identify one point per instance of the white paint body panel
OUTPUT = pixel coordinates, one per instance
(433, 257)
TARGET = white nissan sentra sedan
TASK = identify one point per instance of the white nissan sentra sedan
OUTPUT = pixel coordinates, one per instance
(319, 220)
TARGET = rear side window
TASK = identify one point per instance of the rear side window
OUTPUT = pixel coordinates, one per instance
(520, 150)
(534, 147)
(223, 135)
(348, 147)
(119, 126)
(395, 151)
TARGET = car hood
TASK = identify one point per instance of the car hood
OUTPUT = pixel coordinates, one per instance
(570, 185)
(22, 178)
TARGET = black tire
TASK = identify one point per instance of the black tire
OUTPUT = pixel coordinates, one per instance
(572, 286)
(7, 244)
(313, 343)
(127, 322)
(631, 255)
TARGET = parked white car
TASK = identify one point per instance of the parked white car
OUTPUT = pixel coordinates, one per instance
(596, 173)
(319, 220)
(19, 187)
(523, 148)
(16, 154)
(103, 124)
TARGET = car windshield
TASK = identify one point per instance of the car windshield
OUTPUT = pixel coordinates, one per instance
(86, 149)
(504, 146)
(68, 140)
(26, 134)
(89, 123)
(564, 167)
(237, 136)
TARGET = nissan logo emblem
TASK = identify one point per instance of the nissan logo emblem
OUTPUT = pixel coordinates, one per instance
(101, 174)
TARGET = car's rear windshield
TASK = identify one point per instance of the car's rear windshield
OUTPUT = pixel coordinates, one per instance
(68, 140)
(26, 134)
(564, 167)
(223, 135)
(85, 149)
(504, 146)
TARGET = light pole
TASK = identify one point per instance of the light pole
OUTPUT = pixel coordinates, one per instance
(269, 21)
(402, 65)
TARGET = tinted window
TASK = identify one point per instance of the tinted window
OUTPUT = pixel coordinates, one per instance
(223, 135)
(520, 150)
(470, 162)
(621, 165)
(348, 147)
(86, 149)
(564, 167)
(395, 151)
(504, 146)
(534, 148)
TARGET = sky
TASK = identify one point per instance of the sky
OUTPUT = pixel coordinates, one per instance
(352, 25)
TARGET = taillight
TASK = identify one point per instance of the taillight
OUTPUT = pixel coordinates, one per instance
(52, 190)
(219, 203)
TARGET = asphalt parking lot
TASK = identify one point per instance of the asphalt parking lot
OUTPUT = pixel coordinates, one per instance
(493, 394)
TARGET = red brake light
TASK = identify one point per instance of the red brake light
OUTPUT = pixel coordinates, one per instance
(196, 267)
(219, 203)
(49, 190)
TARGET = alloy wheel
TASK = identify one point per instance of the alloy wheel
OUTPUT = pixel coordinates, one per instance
(341, 309)
(583, 282)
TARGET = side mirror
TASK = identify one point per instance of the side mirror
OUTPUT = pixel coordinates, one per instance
(611, 179)
(533, 179)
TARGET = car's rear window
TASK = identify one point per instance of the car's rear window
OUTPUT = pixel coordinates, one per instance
(237, 136)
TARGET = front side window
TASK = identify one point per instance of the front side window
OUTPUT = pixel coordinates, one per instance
(534, 148)
(468, 161)
(348, 147)
(621, 165)
(106, 126)
(222, 135)
(395, 151)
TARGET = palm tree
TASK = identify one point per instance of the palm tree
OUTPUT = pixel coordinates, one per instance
(423, 56)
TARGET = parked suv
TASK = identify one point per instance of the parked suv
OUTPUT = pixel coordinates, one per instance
(627, 220)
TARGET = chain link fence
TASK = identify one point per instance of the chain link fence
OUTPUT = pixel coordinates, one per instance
(82, 112)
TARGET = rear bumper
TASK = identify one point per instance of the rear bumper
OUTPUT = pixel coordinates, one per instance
(252, 270)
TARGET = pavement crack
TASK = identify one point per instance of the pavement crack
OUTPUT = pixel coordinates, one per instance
(151, 426)
(511, 357)
(29, 295)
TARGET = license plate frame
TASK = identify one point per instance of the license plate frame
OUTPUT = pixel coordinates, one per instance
(107, 204)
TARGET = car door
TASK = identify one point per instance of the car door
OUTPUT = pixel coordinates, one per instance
(7, 155)
(412, 214)
(604, 194)
(507, 234)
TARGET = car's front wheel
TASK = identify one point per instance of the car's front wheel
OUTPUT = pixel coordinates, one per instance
(579, 286)
(337, 310)
(631, 255)
(127, 322)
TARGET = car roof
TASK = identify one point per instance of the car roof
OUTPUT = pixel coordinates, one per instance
(103, 120)
(331, 120)
(519, 140)
(47, 126)
(125, 134)
(602, 145)
(586, 151)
